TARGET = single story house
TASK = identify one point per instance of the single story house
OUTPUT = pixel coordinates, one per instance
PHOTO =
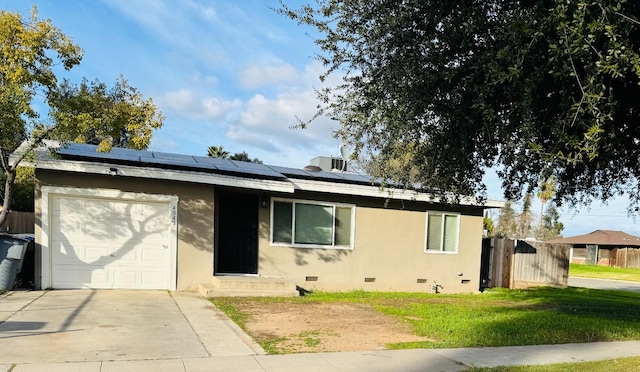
(604, 247)
(154, 220)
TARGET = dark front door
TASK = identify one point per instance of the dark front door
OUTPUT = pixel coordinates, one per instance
(485, 265)
(236, 234)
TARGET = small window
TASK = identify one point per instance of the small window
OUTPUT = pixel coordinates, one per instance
(442, 232)
(311, 224)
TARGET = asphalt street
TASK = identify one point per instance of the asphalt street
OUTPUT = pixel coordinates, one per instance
(605, 284)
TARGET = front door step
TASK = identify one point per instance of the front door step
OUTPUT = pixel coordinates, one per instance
(248, 286)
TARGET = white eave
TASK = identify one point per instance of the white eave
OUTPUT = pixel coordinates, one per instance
(289, 185)
(117, 170)
(378, 192)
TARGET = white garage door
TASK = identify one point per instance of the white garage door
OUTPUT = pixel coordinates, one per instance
(109, 243)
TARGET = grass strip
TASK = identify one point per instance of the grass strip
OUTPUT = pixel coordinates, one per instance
(498, 317)
(604, 272)
(613, 365)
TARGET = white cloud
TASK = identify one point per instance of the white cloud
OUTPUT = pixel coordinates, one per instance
(187, 104)
(254, 75)
(262, 124)
(269, 124)
(179, 25)
(207, 12)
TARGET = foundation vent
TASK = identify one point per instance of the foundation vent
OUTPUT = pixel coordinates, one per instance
(311, 278)
(369, 280)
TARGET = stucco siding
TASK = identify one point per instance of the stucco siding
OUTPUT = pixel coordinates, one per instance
(388, 243)
(388, 252)
(195, 216)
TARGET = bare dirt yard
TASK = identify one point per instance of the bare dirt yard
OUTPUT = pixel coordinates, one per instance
(321, 327)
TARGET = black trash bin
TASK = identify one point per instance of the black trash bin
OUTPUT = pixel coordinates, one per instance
(12, 250)
(27, 276)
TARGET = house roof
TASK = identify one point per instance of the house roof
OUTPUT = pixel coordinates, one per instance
(601, 237)
(203, 169)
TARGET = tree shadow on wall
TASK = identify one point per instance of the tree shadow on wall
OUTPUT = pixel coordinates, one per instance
(196, 223)
(124, 225)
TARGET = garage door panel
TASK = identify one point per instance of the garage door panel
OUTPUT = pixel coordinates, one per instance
(154, 255)
(63, 252)
(98, 243)
(150, 277)
(71, 228)
(76, 276)
(93, 254)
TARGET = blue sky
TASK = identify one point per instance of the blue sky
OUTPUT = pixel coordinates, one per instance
(231, 73)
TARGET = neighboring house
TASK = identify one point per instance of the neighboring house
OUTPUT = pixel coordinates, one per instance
(604, 247)
(152, 220)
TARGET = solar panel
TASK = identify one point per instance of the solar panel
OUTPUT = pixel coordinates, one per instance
(324, 176)
(239, 167)
(290, 171)
(330, 176)
(359, 178)
(255, 168)
(169, 156)
(89, 151)
(215, 162)
(178, 163)
(208, 164)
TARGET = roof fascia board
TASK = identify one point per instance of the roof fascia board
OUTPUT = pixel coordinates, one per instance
(378, 192)
(166, 174)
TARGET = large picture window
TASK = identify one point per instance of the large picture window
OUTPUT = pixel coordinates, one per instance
(312, 224)
(442, 232)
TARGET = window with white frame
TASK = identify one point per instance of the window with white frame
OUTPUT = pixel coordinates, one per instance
(442, 232)
(312, 224)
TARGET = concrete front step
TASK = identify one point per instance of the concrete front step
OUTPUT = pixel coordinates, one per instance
(246, 286)
(252, 283)
(209, 291)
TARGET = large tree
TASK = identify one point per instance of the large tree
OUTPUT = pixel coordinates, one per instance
(550, 226)
(31, 50)
(533, 88)
(117, 116)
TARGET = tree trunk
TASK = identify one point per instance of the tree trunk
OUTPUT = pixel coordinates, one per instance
(8, 186)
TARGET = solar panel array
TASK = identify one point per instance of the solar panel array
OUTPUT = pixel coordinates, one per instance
(165, 160)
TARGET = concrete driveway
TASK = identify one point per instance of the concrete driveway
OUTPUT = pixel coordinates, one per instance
(604, 284)
(111, 325)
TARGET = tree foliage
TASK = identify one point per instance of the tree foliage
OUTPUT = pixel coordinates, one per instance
(118, 116)
(551, 227)
(22, 195)
(220, 152)
(217, 152)
(243, 156)
(534, 88)
(507, 226)
(488, 226)
(30, 50)
(525, 219)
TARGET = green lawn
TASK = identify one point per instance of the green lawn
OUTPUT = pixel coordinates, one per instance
(604, 272)
(497, 317)
(613, 365)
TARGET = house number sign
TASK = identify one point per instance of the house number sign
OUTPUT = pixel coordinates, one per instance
(174, 215)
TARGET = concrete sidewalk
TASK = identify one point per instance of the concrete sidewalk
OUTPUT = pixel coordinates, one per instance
(386, 360)
(222, 346)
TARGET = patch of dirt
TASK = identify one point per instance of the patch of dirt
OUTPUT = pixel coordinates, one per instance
(321, 327)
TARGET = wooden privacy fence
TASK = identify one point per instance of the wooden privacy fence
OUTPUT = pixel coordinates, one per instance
(19, 223)
(520, 264)
(626, 258)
